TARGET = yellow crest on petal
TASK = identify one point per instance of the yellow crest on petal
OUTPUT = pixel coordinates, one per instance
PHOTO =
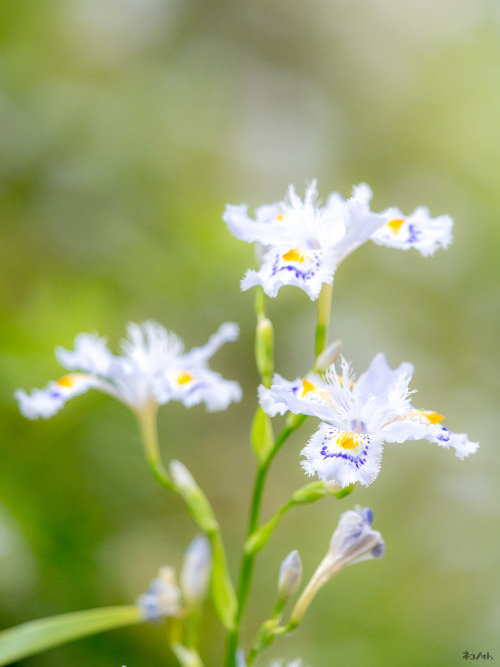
(183, 377)
(395, 225)
(294, 255)
(66, 381)
(307, 387)
(347, 440)
(432, 417)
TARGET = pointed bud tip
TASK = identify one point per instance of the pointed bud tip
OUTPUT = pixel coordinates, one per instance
(290, 575)
(329, 356)
(195, 575)
(181, 475)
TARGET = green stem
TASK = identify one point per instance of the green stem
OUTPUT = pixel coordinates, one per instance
(324, 308)
(249, 558)
(200, 511)
(149, 433)
(266, 636)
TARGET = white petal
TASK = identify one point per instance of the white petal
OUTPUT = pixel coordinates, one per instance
(227, 333)
(285, 395)
(309, 274)
(149, 348)
(267, 228)
(417, 230)
(360, 223)
(90, 354)
(205, 386)
(326, 457)
(47, 402)
(379, 379)
(458, 441)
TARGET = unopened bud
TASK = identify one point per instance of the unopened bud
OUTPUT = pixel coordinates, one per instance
(290, 575)
(195, 575)
(195, 499)
(352, 542)
(163, 597)
(181, 476)
(329, 356)
(310, 493)
(264, 349)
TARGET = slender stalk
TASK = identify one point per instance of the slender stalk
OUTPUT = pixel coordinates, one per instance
(249, 558)
(149, 434)
(324, 309)
(199, 509)
(325, 571)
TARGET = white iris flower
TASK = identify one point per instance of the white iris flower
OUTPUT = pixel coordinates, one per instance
(153, 368)
(357, 418)
(304, 242)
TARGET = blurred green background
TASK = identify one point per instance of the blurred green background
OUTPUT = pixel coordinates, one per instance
(125, 126)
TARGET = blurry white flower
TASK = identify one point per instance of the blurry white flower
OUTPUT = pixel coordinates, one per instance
(163, 597)
(357, 418)
(153, 368)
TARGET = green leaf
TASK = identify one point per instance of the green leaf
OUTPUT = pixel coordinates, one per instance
(37, 636)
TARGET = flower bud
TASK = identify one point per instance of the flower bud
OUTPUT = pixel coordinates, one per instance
(310, 493)
(264, 349)
(195, 499)
(290, 575)
(195, 575)
(181, 476)
(329, 356)
(162, 599)
(352, 542)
